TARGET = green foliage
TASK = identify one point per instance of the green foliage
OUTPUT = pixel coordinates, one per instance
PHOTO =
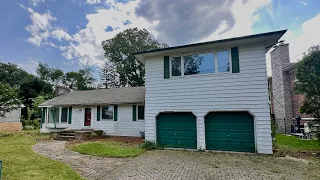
(30, 124)
(308, 75)
(119, 51)
(36, 111)
(8, 99)
(151, 145)
(107, 149)
(81, 80)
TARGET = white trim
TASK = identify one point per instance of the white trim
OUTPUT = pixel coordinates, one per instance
(215, 54)
(144, 112)
(112, 113)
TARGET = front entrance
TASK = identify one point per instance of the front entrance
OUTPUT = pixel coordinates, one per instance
(87, 117)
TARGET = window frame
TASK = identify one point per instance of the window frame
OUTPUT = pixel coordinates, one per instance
(60, 114)
(101, 112)
(201, 52)
(144, 112)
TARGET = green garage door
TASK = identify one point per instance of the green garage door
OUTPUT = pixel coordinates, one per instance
(177, 130)
(230, 131)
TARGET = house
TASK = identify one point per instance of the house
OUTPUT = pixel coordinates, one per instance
(285, 102)
(118, 112)
(11, 123)
(210, 95)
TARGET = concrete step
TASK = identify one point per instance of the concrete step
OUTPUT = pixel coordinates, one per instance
(65, 138)
(66, 134)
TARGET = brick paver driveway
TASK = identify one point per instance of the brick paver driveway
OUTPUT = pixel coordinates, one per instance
(172, 164)
(169, 164)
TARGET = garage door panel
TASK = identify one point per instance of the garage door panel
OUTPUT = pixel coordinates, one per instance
(180, 130)
(230, 131)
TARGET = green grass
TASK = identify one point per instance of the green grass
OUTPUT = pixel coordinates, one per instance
(20, 162)
(107, 149)
(291, 143)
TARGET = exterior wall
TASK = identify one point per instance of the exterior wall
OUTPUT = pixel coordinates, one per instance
(13, 116)
(10, 126)
(200, 94)
(281, 88)
(125, 126)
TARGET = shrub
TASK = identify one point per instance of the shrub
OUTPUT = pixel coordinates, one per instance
(27, 124)
(151, 145)
(142, 134)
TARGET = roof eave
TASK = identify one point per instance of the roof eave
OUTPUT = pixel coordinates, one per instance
(270, 38)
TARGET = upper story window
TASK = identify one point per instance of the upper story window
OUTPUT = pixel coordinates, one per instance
(107, 112)
(205, 63)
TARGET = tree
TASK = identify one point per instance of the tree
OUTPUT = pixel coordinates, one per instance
(85, 79)
(119, 49)
(308, 75)
(36, 111)
(8, 99)
(12, 74)
(53, 76)
(109, 77)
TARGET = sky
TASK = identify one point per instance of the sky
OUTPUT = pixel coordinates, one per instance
(67, 34)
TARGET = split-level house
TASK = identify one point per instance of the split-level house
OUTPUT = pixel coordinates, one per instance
(209, 96)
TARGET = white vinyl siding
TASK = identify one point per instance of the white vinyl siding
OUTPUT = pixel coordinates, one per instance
(201, 93)
(123, 127)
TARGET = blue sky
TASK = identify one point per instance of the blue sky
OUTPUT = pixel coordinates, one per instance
(67, 34)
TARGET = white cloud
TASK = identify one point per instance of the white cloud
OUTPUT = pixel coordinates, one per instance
(300, 41)
(93, 1)
(87, 42)
(303, 3)
(30, 66)
(35, 2)
(40, 27)
(61, 34)
(244, 18)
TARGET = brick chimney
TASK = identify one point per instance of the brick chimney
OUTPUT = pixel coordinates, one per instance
(281, 88)
(59, 90)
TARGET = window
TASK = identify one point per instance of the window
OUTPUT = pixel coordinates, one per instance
(64, 115)
(205, 63)
(199, 64)
(176, 66)
(54, 115)
(140, 113)
(223, 61)
(107, 112)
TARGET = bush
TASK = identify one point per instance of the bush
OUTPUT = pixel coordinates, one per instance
(142, 134)
(151, 145)
(31, 124)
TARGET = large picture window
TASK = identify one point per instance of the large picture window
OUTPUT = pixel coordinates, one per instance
(107, 112)
(205, 63)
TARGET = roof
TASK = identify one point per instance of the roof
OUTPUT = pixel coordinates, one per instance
(291, 67)
(269, 39)
(130, 95)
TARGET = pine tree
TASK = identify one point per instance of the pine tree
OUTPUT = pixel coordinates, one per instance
(109, 77)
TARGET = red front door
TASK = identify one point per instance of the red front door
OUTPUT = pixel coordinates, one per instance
(87, 117)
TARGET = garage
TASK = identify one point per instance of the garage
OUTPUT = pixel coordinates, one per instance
(230, 131)
(177, 130)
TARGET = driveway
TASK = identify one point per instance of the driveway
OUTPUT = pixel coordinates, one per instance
(170, 164)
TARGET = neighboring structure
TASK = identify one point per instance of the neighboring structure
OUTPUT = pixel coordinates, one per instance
(285, 102)
(11, 123)
(118, 112)
(210, 95)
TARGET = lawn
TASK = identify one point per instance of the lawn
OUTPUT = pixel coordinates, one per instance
(293, 144)
(20, 162)
(108, 149)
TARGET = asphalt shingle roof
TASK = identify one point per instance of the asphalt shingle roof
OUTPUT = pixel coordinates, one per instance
(130, 95)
